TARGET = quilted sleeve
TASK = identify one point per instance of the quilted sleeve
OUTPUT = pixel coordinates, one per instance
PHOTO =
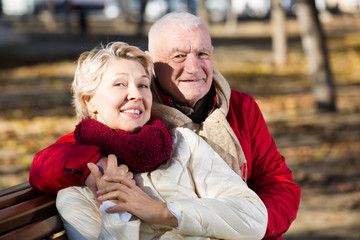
(62, 164)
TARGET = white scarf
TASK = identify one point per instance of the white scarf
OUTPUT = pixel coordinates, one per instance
(215, 130)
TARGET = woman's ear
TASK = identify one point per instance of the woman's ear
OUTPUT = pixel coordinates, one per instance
(90, 104)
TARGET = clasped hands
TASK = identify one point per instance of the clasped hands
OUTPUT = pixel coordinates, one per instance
(118, 185)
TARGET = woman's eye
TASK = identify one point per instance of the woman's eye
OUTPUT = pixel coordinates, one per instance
(119, 84)
(143, 86)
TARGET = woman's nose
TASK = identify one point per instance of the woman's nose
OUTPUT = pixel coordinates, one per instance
(134, 93)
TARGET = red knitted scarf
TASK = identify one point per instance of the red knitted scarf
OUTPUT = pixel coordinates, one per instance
(142, 151)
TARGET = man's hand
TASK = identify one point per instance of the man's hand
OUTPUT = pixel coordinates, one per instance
(104, 169)
(115, 173)
(90, 180)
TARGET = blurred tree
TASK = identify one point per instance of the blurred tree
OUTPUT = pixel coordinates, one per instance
(202, 12)
(314, 44)
(191, 6)
(50, 20)
(279, 41)
(231, 20)
(67, 23)
(141, 23)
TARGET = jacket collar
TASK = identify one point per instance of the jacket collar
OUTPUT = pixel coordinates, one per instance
(203, 108)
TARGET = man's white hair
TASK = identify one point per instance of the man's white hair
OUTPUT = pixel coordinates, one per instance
(184, 20)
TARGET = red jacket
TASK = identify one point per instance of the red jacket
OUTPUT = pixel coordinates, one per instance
(63, 164)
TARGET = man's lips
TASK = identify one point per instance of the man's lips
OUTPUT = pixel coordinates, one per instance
(190, 81)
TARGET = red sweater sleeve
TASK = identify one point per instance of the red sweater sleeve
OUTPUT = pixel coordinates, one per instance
(268, 174)
(62, 164)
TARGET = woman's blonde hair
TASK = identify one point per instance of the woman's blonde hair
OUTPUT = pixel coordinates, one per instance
(91, 66)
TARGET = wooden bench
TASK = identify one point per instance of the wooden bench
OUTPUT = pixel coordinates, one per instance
(26, 213)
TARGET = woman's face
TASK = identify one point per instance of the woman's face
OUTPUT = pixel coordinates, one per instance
(123, 98)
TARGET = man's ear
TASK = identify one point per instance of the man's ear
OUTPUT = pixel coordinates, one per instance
(90, 105)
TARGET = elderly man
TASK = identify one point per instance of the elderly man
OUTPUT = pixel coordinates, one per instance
(190, 92)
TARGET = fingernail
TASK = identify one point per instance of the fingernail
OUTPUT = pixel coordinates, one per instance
(89, 165)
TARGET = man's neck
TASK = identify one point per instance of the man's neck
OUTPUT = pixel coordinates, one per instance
(202, 108)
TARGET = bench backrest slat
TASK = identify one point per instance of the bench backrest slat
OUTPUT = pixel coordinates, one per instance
(20, 196)
(27, 212)
(16, 188)
(37, 230)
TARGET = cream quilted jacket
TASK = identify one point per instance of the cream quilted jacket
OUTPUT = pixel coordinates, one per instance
(214, 202)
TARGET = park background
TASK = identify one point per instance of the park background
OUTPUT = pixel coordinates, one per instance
(37, 62)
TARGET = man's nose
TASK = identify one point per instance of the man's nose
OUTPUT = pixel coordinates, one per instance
(192, 63)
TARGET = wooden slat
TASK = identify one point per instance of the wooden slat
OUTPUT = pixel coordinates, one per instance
(26, 213)
(15, 188)
(22, 195)
(37, 230)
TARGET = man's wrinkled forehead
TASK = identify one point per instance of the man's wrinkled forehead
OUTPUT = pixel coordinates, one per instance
(174, 31)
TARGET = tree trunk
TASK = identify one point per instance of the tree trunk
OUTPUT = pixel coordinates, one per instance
(141, 23)
(202, 12)
(67, 22)
(314, 44)
(50, 22)
(279, 42)
(1, 9)
(231, 21)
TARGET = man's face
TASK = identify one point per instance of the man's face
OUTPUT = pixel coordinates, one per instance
(184, 63)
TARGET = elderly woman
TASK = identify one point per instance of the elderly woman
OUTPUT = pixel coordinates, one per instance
(188, 191)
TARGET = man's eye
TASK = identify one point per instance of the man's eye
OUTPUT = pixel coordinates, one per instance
(203, 55)
(179, 58)
(143, 86)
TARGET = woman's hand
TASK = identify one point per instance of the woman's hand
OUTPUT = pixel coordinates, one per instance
(117, 185)
(129, 197)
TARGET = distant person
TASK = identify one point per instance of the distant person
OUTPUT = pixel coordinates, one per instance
(194, 194)
(189, 92)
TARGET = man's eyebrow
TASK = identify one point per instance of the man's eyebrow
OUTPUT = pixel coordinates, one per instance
(174, 50)
(204, 49)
